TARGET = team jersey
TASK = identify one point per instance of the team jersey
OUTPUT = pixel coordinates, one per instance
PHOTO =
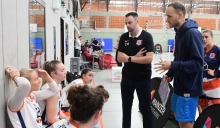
(78, 81)
(211, 84)
(64, 124)
(212, 61)
(28, 116)
(43, 103)
(64, 101)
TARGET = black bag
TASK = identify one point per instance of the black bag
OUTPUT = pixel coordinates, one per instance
(72, 76)
(209, 118)
(160, 113)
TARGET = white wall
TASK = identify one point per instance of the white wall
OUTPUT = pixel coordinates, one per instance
(14, 46)
(14, 43)
(2, 94)
(53, 19)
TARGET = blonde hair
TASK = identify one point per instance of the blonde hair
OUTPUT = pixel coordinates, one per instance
(50, 66)
(8, 69)
(24, 72)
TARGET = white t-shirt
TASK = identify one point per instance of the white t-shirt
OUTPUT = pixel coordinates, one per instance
(29, 115)
(78, 81)
(64, 124)
(78, 44)
(42, 104)
(64, 100)
(102, 43)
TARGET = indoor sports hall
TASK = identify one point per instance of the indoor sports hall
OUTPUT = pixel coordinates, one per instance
(96, 34)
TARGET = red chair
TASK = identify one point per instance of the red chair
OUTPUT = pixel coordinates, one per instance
(109, 61)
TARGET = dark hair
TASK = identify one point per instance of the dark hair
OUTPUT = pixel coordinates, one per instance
(134, 14)
(178, 7)
(208, 31)
(104, 92)
(80, 36)
(50, 66)
(85, 102)
(85, 71)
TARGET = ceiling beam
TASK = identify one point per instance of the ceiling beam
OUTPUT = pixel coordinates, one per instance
(164, 6)
(107, 4)
(83, 4)
(135, 5)
(190, 9)
(211, 0)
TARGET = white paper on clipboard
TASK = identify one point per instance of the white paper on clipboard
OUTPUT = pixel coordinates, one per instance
(164, 91)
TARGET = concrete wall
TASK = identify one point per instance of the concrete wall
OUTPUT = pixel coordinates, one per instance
(14, 43)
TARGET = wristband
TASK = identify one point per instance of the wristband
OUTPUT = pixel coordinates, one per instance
(13, 78)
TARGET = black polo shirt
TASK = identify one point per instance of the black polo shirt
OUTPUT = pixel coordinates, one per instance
(131, 46)
(95, 42)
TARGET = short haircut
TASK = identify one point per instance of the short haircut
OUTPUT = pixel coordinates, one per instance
(80, 36)
(134, 14)
(178, 7)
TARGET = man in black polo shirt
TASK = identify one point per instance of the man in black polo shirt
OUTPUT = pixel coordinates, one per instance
(95, 44)
(136, 50)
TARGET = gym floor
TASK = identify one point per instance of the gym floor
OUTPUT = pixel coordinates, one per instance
(112, 111)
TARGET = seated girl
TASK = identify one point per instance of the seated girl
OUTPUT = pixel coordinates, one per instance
(89, 57)
(51, 107)
(85, 79)
(86, 108)
(22, 107)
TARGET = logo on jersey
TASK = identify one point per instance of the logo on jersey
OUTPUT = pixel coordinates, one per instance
(126, 42)
(139, 42)
(205, 66)
(212, 55)
(62, 126)
(38, 120)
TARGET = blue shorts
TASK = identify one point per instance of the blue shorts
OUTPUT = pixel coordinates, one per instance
(184, 107)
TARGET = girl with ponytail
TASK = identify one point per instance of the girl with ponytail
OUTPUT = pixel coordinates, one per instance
(51, 107)
(22, 107)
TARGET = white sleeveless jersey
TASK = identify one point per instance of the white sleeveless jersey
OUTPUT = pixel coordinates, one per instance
(63, 124)
(28, 116)
(64, 101)
(42, 104)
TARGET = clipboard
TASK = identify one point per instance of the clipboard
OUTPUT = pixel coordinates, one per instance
(164, 91)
